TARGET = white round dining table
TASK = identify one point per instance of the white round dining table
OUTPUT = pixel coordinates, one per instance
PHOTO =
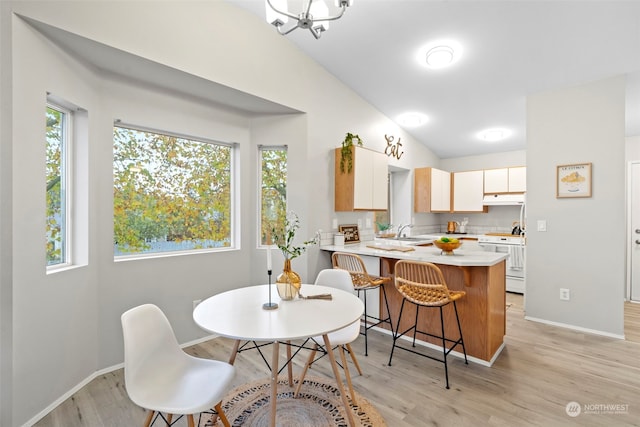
(239, 314)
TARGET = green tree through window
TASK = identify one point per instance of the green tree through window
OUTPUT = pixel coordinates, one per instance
(170, 193)
(56, 209)
(273, 202)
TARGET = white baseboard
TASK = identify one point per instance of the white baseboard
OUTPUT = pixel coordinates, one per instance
(40, 415)
(575, 328)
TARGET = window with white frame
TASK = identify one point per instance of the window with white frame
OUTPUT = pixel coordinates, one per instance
(273, 190)
(171, 193)
(58, 168)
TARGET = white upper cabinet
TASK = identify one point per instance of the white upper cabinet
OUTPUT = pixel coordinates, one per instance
(518, 179)
(468, 191)
(365, 186)
(380, 181)
(505, 180)
(431, 190)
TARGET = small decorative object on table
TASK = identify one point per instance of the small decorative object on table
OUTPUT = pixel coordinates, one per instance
(384, 229)
(447, 245)
(269, 305)
(351, 233)
(289, 283)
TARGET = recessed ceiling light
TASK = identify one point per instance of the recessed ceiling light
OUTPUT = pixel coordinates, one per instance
(439, 54)
(494, 134)
(412, 119)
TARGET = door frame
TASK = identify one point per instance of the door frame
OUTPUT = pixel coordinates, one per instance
(629, 239)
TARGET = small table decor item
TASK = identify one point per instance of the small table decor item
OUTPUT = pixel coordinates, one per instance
(288, 282)
(351, 233)
(447, 245)
(573, 180)
(269, 305)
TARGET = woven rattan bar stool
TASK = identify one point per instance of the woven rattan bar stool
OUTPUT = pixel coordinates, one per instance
(423, 284)
(364, 282)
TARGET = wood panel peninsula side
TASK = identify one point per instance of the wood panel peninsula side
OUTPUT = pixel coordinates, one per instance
(482, 311)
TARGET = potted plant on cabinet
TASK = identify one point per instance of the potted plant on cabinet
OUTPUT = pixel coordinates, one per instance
(346, 158)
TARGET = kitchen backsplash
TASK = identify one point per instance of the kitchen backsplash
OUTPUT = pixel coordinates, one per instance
(326, 237)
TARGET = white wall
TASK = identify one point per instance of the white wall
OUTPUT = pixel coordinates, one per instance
(584, 248)
(6, 231)
(485, 161)
(75, 314)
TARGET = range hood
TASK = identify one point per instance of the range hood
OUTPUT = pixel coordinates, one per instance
(503, 199)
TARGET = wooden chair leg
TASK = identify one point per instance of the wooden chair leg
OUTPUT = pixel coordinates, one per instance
(347, 374)
(234, 352)
(353, 357)
(304, 370)
(169, 418)
(190, 420)
(289, 364)
(147, 422)
(222, 415)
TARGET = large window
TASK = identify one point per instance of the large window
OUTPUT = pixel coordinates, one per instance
(273, 188)
(170, 193)
(58, 147)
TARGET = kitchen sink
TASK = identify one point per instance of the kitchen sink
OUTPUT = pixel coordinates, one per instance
(407, 240)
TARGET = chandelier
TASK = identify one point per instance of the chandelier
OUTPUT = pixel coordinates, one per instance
(314, 15)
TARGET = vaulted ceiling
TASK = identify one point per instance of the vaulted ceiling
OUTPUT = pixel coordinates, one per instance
(511, 49)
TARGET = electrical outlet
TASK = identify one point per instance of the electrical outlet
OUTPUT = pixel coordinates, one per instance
(360, 224)
(368, 222)
(542, 225)
(196, 302)
(565, 294)
(334, 224)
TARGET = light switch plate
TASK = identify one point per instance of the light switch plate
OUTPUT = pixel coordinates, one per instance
(542, 225)
(334, 224)
(368, 222)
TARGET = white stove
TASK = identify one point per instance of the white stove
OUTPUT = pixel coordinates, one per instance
(502, 238)
(515, 246)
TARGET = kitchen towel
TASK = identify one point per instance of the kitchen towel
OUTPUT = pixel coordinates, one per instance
(516, 257)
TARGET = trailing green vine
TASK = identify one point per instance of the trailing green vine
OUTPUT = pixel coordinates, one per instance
(346, 156)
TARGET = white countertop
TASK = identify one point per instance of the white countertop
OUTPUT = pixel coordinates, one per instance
(460, 257)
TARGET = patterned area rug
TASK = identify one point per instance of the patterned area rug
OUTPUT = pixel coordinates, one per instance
(318, 405)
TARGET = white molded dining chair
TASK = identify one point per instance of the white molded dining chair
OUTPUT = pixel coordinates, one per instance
(338, 279)
(161, 377)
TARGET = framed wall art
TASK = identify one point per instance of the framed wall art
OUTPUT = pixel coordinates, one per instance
(351, 233)
(573, 180)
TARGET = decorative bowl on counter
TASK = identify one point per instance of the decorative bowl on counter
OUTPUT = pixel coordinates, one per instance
(447, 247)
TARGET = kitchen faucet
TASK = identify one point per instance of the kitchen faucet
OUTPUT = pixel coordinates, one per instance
(401, 229)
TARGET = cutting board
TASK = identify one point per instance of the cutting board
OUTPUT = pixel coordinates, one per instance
(392, 248)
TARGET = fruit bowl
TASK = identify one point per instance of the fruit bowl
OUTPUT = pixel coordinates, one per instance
(447, 248)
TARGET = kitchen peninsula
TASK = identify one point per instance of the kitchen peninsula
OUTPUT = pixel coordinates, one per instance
(480, 274)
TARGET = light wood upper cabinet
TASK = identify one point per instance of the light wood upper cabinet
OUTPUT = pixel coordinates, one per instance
(365, 186)
(505, 180)
(468, 191)
(431, 190)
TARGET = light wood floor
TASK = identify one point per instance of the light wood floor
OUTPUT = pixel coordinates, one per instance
(541, 370)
